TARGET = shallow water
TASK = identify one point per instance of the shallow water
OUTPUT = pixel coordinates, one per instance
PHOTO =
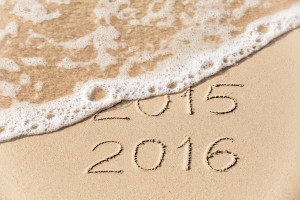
(63, 60)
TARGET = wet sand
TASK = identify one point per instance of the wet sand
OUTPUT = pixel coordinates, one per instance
(252, 109)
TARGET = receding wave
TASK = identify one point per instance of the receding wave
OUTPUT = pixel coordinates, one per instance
(63, 60)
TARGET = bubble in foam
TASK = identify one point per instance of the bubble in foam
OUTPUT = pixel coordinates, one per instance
(1, 129)
(262, 28)
(97, 94)
(151, 90)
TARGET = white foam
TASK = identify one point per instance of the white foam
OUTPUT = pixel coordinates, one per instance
(2, 2)
(10, 29)
(8, 89)
(59, 2)
(80, 43)
(34, 61)
(252, 3)
(104, 37)
(32, 10)
(38, 86)
(67, 63)
(9, 65)
(109, 8)
(27, 119)
(166, 12)
(24, 79)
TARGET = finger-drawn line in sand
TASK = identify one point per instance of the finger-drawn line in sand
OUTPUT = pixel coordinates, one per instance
(95, 117)
(189, 93)
(189, 144)
(210, 155)
(161, 159)
(162, 111)
(107, 118)
(235, 103)
(118, 152)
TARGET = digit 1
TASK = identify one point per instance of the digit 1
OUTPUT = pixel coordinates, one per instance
(187, 142)
(188, 93)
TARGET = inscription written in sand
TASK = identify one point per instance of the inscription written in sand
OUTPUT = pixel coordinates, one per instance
(187, 94)
(162, 111)
(189, 144)
(234, 101)
(118, 152)
(209, 155)
(161, 157)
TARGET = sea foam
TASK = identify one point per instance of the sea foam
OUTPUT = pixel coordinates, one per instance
(185, 62)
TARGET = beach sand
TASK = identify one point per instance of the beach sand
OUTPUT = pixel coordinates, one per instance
(259, 138)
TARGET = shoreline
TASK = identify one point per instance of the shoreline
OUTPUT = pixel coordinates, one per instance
(264, 127)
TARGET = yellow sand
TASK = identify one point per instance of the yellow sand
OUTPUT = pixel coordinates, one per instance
(265, 128)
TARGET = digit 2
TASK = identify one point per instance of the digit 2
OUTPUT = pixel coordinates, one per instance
(118, 152)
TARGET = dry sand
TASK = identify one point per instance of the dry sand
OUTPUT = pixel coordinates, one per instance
(264, 126)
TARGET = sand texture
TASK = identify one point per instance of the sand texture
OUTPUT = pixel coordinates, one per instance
(237, 133)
